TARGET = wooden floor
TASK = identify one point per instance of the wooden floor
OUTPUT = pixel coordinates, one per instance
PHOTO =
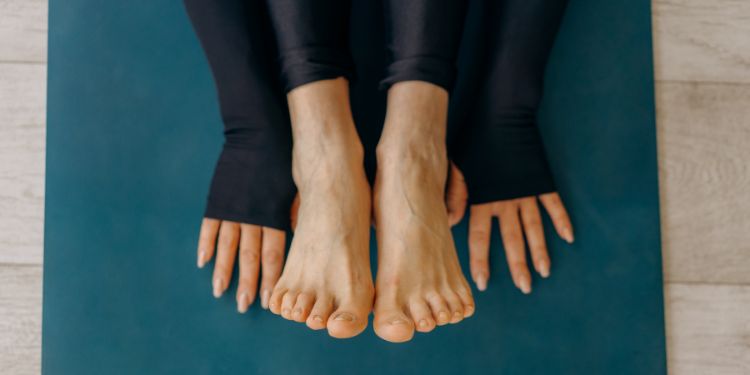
(703, 103)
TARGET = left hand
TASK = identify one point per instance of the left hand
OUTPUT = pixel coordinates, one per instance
(520, 223)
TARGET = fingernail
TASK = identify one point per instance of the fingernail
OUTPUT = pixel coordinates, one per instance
(567, 235)
(201, 258)
(525, 285)
(481, 282)
(218, 287)
(344, 316)
(543, 268)
(242, 303)
(264, 299)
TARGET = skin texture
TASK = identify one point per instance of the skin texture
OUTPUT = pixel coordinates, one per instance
(520, 224)
(327, 282)
(419, 283)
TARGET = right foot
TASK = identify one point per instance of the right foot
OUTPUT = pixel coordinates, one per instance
(327, 281)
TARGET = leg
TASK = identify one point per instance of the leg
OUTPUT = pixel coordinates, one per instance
(419, 280)
(326, 281)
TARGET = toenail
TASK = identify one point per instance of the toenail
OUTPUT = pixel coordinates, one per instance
(398, 321)
(344, 316)
(423, 323)
(285, 312)
(443, 316)
(317, 318)
(297, 312)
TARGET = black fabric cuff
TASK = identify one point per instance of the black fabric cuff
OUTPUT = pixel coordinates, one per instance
(252, 186)
(306, 65)
(505, 161)
(433, 70)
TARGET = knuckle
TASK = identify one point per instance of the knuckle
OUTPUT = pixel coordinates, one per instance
(479, 235)
(532, 222)
(273, 258)
(249, 255)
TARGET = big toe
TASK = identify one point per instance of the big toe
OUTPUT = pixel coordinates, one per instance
(393, 326)
(347, 322)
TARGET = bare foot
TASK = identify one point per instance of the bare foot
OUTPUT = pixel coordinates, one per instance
(327, 281)
(419, 282)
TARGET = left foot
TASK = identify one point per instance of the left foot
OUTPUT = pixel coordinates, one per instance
(419, 282)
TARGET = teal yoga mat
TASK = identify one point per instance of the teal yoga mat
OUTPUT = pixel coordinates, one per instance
(132, 138)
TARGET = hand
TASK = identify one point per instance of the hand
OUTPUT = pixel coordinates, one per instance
(516, 216)
(456, 196)
(258, 247)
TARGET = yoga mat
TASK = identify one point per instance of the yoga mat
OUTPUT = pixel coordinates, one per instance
(133, 134)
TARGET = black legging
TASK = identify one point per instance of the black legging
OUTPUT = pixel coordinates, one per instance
(252, 182)
(421, 36)
(493, 136)
(492, 117)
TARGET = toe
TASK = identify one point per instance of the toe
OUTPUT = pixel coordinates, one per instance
(464, 293)
(422, 316)
(274, 303)
(287, 304)
(320, 312)
(455, 305)
(440, 310)
(391, 323)
(347, 321)
(301, 309)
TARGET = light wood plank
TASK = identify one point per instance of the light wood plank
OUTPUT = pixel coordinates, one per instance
(23, 30)
(708, 329)
(699, 40)
(22, 142)
(704, 157)
(20, 319)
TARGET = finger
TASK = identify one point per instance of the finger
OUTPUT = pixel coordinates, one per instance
(294, 212)
(229, 236)
(456, 196)
(510, 229)
(271, 259)
(247, 287)
(560, 219)
(207, 240)
(480, 224)
(532, 227)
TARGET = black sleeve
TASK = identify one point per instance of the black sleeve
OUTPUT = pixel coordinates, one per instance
(252, 182)
(313, 40)
(502, 62)
(422, 38)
